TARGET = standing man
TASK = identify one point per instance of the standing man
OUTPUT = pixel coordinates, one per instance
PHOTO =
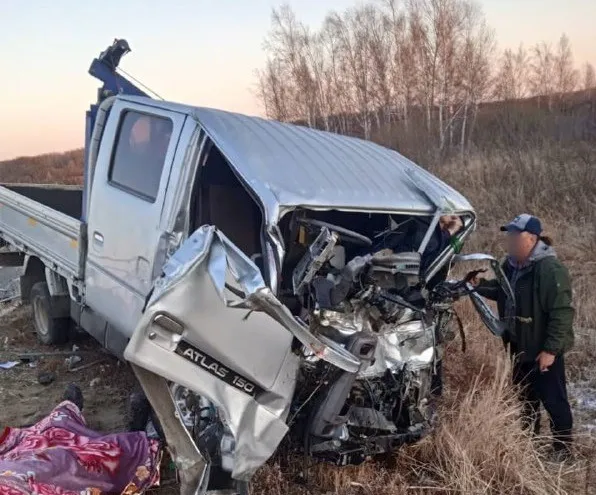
(539, 326)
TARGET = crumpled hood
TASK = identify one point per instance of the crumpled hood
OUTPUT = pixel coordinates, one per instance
(540, 251)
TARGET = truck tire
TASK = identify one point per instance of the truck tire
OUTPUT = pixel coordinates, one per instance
(50, 329)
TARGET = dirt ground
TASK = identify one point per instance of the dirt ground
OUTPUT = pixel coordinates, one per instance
(106, 382)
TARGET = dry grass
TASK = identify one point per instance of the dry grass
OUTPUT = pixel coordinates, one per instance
(478, 446)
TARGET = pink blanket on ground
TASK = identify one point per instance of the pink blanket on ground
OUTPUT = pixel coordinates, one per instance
(60, 455)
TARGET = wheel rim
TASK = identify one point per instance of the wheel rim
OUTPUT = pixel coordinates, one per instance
(41, 316)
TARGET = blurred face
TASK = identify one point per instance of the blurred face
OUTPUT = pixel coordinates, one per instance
(520, 244)
(450, 223)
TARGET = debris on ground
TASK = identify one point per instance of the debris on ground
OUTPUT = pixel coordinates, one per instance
(10, 291)
(46, 377)
(86, 366)
(9, 364)
(583, 401)
(71, 361)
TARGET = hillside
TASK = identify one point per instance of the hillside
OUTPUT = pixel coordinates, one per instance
(50, 168)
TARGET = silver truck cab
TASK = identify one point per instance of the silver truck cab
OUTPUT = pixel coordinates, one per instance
(160, 170)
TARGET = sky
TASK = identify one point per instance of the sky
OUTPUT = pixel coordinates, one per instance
(200, 52)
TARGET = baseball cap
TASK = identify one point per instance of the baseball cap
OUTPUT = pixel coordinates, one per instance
(524, 223)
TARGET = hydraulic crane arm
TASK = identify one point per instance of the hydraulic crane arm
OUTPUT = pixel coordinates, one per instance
(104, 68)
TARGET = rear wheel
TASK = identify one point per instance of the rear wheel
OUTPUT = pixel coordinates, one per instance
(51, 329)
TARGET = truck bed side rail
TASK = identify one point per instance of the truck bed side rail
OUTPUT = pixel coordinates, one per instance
(40, 231)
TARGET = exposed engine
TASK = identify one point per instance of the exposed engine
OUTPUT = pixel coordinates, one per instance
(371, 305)
(370, 302)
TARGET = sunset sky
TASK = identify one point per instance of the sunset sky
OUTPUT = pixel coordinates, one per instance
(202, 52)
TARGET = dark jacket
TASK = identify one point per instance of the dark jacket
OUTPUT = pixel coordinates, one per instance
(542, 319)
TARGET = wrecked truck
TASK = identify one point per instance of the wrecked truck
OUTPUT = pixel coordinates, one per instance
(270, 284)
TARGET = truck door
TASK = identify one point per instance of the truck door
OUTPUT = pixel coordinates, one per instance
(137, 153)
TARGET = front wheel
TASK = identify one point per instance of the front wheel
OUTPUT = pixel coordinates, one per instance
(51, 329)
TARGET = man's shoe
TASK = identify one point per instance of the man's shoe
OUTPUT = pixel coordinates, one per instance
(560, 455)
(73, 394)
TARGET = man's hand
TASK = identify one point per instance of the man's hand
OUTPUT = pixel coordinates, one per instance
(545, 360)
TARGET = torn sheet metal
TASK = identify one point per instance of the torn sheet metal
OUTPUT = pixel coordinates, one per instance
(208, 242)
(192, 467)
(408, 345)
(236, 335)
(495, 325)
(191, 334)
(458, 258)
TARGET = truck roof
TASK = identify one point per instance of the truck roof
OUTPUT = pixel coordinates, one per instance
(289, 166)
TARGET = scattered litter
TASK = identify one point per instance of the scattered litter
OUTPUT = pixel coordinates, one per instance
(85, 366)
(46, 377)
(71, 361)
(95, 382)
(75, 348)
(9, 364)
(6, 309)
(33, 364)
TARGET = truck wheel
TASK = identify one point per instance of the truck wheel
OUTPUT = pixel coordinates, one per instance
(50, 329)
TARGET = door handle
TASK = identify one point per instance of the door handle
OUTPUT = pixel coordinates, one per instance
(165, 331)
(98, 238)
(168, 324)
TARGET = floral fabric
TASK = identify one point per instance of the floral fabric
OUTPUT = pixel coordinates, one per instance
(60, 455)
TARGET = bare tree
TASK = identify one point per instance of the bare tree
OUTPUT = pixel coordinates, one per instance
(589, 76)
(350, 30)
(511, 82)
(271, 90)
(434, 29)
(388, 63)
(425, 54)
(287, 43)
(474, 67)
(337, 86)
(322, 104)
(564, 71)
(378, 38)
(403, 68)
(542, 82)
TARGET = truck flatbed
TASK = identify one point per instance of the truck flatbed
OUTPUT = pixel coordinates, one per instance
(43, 221)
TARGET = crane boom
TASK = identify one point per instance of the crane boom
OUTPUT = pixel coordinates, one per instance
(104, 68)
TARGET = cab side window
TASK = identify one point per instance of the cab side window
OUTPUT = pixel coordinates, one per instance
(139, 156)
